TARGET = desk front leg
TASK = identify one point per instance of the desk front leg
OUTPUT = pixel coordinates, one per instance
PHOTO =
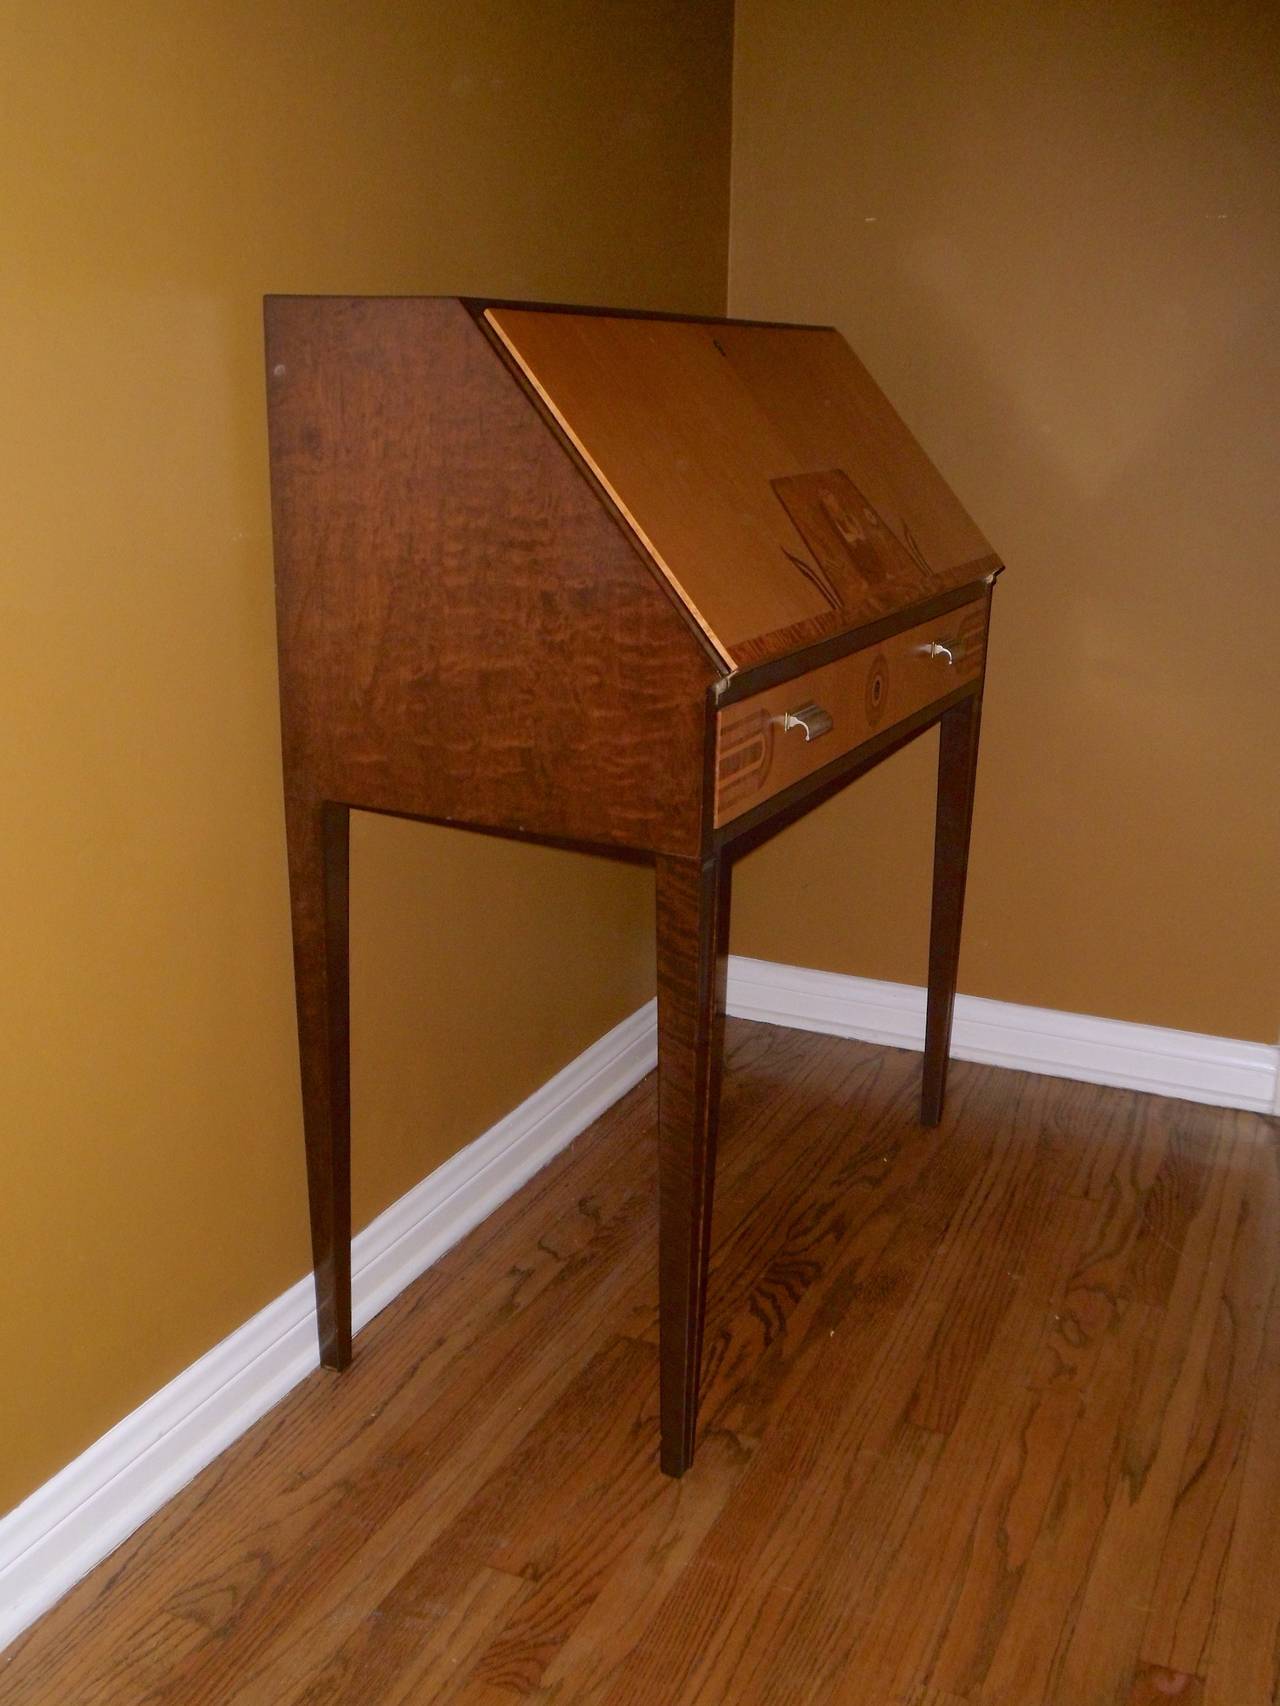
(319, 839)
(693, 931)
(957, 769)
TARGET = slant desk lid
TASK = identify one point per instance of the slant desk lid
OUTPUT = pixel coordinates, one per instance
(762, 468)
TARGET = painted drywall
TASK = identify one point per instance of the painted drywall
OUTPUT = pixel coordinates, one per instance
(161, 168)
(1053, 234)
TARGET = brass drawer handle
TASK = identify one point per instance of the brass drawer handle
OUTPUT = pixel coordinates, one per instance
(935, 649)
(811, 718)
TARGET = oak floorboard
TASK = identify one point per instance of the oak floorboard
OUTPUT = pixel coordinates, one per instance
(1244, 1658)
(1180, 1626)
(603, 1422)
(836, 1147)
(1170, 1207)
(994, 1277)
(938, 1611)
(582, 1670)
(990, 1418)
(1027, 1654)
(1103, 1286)
(957, 1563)
(1100, 1657)
(1096, 1232)
(935, 1697)
(1095, 1136)
(829, 1437)
(889, 1239)
(791, 1274)
(444, 1649)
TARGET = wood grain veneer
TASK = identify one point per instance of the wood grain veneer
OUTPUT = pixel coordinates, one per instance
(465, 632)
(519, 557)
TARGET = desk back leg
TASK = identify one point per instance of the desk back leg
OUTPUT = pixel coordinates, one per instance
(693, 932)
(957, 767)
(319, 839)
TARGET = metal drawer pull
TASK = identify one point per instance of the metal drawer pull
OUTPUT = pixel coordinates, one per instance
(811, 718)
(935, 650)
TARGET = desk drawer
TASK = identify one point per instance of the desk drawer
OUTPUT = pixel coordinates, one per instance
(785, 733)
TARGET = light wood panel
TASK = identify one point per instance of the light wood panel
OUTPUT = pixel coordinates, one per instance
(990, 1420)
(745, 458)
(823, 399)
(684, 452)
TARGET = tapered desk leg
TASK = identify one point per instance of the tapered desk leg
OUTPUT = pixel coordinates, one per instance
(957, 766)
(693, 929)
(318, 834)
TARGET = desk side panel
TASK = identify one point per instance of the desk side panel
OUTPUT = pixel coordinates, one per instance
(466, 632)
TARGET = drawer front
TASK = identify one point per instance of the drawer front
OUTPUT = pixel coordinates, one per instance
(761, 744)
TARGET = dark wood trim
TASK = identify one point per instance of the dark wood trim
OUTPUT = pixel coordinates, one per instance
(693, 948)
(476, 305)
(744, 682)
(762, 822)
(319, 884)
(957, 770)
(710, 754)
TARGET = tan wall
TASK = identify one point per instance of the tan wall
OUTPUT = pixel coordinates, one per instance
(161, 167)
(1053, 233)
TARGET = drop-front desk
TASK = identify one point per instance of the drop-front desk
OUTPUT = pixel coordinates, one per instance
(629, 582)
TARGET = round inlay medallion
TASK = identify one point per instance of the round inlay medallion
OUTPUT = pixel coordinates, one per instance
(877, 690)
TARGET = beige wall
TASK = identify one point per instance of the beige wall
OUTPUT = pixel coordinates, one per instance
(161, 167)
(1053, 233)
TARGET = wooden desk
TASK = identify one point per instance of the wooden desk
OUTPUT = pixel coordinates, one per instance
(634, 583)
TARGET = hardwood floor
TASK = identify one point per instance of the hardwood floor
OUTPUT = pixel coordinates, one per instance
(991, 1417)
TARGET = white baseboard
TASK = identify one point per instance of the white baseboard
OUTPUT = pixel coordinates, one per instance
(71, 1523)
(1197, 1068)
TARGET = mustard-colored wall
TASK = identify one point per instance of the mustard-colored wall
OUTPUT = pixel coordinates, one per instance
(1053, 234)
(161, 167)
